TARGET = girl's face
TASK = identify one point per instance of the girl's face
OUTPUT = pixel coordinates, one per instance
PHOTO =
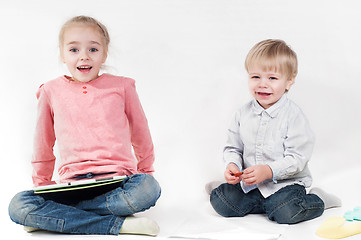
(83, 52)
(267, 87)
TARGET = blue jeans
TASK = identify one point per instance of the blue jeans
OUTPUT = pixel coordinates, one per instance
(289, 205)
(100, 213)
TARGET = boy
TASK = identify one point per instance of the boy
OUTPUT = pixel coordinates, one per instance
(270, 140)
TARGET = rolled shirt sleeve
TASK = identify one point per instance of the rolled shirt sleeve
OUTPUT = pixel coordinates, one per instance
(298, 147)
(233, 150)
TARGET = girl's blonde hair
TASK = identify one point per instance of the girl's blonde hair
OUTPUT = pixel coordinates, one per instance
(87, 21)
(273, 54)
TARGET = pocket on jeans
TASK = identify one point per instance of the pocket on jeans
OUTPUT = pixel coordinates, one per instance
(47, 223)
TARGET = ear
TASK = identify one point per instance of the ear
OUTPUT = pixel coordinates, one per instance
(290, 82)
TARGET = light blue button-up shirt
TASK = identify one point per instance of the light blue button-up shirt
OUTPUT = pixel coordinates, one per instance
(279, 136)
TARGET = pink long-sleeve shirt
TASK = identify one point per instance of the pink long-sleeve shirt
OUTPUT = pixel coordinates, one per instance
(96, 125)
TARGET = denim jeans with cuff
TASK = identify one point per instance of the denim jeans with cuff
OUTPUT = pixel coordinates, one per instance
(289, 205)
(99, 210)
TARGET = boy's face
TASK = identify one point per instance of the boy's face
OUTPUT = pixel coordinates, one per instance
(83, 53)
(267, 87)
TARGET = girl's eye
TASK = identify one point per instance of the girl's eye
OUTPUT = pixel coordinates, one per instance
(273, 78)
(255, 77)
(73, 50)
(93, 50)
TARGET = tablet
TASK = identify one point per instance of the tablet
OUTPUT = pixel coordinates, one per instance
(54, 186)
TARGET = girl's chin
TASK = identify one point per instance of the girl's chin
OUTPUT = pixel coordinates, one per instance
(84, 79)
(81, 80)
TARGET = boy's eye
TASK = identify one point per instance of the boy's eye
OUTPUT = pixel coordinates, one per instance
(73, 50)
(93, 50)
(273, 78)
(255, 77)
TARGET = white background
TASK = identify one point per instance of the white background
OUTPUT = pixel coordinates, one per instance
(187, 57)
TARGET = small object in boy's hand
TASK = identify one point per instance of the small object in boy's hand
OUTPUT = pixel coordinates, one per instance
(237, 174)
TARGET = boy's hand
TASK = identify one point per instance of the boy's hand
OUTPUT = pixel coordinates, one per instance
(228, 174)
(256, 174)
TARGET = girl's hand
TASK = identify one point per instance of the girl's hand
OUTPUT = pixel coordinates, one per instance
(256, 174)
(230, 171)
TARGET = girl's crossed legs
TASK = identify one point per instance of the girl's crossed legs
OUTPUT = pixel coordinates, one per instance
(102, 214)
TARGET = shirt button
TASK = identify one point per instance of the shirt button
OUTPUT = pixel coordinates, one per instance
(84, 87)
(85, 92)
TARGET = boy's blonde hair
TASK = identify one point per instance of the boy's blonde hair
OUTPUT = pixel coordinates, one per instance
(273, 54)
(85, 21)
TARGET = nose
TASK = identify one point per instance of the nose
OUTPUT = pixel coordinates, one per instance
(262, 83)
(84, 56)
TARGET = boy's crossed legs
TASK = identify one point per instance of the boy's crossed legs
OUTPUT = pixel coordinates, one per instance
(289, 205)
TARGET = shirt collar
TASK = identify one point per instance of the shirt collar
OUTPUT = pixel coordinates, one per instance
(271, 111)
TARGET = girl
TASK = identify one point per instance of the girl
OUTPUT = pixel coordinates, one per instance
(96, 121)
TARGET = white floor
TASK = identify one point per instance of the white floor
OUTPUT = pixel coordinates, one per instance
(193, 218)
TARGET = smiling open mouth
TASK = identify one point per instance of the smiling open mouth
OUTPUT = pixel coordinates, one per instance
(263, 94)
(84, 68)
